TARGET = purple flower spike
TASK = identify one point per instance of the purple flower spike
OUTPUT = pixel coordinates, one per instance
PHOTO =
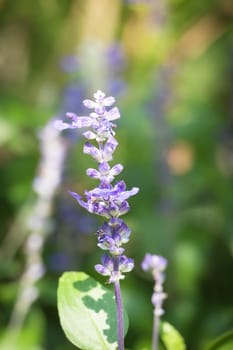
(109, 199)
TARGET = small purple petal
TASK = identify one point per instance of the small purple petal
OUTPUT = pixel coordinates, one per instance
(94, 115)
(99, 95)
(102, 270)
(89, 104)
(107, 262)
(92, 150)
(99, 109)
(75, 195)
(79, 199)
(60, 125)
(120, 186)
(72, 116)
(104, 167)
(105, 242)
(116, 169)
(89, 135)
(124, 232)
(109, 148)
(123, 208)
(125, 264)
(108, 101)
(113, 114)
(113, 141)
(84, 122)
(126, 194)
(93, 173)
(113, 210)
(115, 250)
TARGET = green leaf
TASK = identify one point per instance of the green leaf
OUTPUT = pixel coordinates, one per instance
(223, 342)
(87, 312)
(171, 338)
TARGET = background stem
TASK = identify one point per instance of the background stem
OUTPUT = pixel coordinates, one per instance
(155, 335)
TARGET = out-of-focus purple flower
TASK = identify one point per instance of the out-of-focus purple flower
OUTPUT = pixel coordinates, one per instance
(115, 64)
(115, 57)
(156, 264)
(117, 86)
(71, 97)
(107, 200)
(69, 64)
(60, 261)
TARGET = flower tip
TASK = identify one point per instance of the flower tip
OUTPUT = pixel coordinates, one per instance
(157, 262)
(75, 195)
(99, 95)
(135, 190)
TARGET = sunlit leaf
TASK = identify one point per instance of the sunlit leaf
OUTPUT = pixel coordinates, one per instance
(87, 312)
(171, 338)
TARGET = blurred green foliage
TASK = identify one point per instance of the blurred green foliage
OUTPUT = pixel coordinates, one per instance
(175, 142)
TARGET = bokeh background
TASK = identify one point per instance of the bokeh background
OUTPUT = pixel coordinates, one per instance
(170, 66)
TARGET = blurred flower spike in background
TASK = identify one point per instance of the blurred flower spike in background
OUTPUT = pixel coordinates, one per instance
(156, 264)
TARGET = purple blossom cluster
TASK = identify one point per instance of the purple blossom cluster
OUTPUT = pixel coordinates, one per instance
(108, 199)
(156, 264)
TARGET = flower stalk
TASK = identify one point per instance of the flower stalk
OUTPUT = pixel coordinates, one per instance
(108, 199)
(156, 265)
(120, 319)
